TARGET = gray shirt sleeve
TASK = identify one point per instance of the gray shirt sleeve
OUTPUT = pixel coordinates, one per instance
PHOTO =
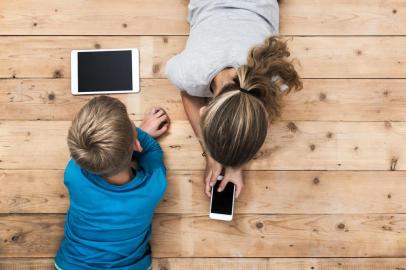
(173, 72)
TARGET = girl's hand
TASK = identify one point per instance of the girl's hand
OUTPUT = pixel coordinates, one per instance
(233, 175)
(156, 122)
(213, 170)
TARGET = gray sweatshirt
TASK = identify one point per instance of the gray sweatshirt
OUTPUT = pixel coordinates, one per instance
(221, 34)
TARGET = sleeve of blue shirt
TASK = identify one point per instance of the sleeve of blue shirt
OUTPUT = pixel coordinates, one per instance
(151, 157)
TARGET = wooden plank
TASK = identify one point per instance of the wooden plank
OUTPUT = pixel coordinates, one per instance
(342, 17)
(139, 17)
(30, 235)
(160, 17)
(327, 100)
(235, 263)
(350, 57)
(49, 57)
(347, 100)
(299, 145)
(279, 263)
(51, 99)
(376, 235)
(319, 57)
(266, 192)
(280, 236)
(36, 191)
(27, 264)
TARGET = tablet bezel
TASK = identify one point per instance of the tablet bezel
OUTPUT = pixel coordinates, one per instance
(135, 64)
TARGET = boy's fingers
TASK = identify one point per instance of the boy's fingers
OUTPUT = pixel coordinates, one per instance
(159, 113)
(164, 128)
(154, 110)
(168, 118)
(163, 118)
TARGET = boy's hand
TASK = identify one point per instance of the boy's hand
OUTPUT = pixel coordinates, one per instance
(156, 122)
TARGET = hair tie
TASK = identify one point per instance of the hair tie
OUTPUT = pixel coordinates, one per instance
(245, 91)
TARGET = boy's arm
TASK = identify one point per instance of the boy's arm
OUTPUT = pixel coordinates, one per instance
(151, 155)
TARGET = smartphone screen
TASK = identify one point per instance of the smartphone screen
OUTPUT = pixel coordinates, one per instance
(222, 202)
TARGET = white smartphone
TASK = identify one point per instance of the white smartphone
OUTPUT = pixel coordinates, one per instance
(105, 71)
(222, 203)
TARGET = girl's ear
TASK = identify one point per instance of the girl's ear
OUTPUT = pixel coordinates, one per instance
(202, 110)
(137, 146)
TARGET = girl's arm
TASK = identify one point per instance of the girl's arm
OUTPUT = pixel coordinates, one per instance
(192, 107)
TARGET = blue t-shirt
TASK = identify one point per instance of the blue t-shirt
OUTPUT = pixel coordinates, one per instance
(109, 226)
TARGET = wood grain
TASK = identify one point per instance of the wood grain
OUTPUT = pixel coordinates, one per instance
(33, 191)
(265, 192)
(30, 235)
(326, 100)
(234, 263)
(317, 57)
(373, 17)
(79, 17)
(297, 17)
(49, 57)
(374, 235)
(279, 263)
(280, 236)
(27, 264)
(347, 100)
(299, 145)
(51, 99)
(352, 56)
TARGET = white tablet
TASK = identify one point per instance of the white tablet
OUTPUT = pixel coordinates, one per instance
(105, 71)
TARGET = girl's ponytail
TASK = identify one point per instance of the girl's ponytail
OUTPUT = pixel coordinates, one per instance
(268, 74)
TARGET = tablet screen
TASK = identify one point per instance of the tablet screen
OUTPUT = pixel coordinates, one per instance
(104, 71)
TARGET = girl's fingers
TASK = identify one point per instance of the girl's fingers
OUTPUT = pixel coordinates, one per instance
(238, 189)
(215, 174)
(208, 190)
(223, 184)
(207, 184)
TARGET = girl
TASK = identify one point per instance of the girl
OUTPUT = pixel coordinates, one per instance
(245, 91)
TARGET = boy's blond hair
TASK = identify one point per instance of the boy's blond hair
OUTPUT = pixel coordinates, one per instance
(101, 137)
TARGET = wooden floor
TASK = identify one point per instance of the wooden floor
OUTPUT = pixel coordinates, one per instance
(327, 191)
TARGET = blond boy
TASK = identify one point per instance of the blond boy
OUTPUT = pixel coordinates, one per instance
(108, 224)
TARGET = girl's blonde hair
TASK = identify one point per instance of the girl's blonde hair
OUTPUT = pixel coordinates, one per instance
(235, 123)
